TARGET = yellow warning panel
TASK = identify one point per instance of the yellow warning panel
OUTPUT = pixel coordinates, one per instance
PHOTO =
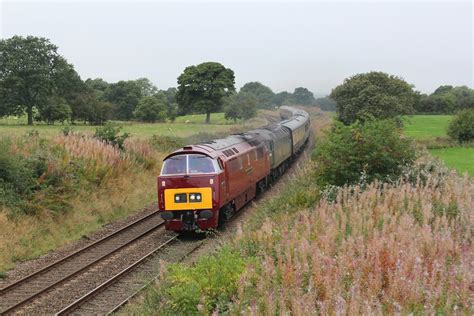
(180, 199)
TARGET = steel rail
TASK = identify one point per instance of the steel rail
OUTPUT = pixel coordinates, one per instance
(74, 305)
(125, 301)
(75, 273)
(75, 253)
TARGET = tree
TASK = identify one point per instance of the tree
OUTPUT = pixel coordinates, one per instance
(263, 94)
(171, 105)
(147, 88)
(98, 84)
(151, 108)
(31, 70)
(282, 98)
(56, 110)
(375, 94)
(202, 88)
(442, 90)
(326, 104)
(241, 106)
(303, 96)
(461, 128)
(124, 96)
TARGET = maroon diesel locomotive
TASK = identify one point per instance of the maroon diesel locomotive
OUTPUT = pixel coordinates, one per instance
(203, 185)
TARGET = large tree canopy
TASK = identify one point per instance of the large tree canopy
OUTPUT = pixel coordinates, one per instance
(202, 88)
(124, 95)
(31, 71)
(375, 94)
(303, 96)
(263, 94)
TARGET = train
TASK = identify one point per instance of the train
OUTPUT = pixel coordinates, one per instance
(202, 186)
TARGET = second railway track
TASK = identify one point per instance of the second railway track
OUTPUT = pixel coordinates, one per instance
(17, 295)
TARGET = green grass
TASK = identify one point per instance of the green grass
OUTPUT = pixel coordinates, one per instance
(426, 126)
(216, 118)
(459, 158)
(11, 125)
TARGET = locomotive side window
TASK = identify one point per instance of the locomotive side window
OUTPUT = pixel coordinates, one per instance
(200, 164)
(174, 165)
(259, 153)
(235, 164)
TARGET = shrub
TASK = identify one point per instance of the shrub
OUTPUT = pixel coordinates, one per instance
(461, 128)
(110, 135)
(205, 287)
(373, 150)
(15, 172)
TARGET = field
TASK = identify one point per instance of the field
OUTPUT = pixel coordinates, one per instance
(11, 126)
(430, 130)
(459, 158)
(426, 126)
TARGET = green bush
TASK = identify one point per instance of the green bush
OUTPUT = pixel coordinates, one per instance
(110, 135)
(369, 151)
(210, 283)
(16, 173)
(461, 128)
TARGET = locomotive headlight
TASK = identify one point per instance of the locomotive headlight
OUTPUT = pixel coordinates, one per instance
(176, 197)
(195, 197)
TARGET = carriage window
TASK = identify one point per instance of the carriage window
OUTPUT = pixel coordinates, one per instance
(174, 165)
(259, 153)
(200, 164)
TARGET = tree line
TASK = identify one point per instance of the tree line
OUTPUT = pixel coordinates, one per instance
(37, 81)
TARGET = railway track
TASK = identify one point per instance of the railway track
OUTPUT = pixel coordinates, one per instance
(16, 295)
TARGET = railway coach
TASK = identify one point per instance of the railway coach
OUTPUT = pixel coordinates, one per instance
(203, 185)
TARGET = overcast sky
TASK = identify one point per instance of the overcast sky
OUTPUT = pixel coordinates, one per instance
(281, 44)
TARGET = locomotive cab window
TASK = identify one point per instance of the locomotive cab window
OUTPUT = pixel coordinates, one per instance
(189, 164)
(200, 164)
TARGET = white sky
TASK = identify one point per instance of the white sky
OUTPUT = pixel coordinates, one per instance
(281, 44)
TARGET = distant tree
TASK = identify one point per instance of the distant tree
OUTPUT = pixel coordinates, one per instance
(263, 94)
(90, 108)
(124, 95)
(31, 71)
(464, 97)
(202, 88)
(56, 110)
(241, 106)
(303, 96)
(437, 104)
(282, 98)
(446, 100)
(442, 90)
(171, 105)
(147, 88)
(373, 94)
(326, 104)
(97, 84)
(151, 109)
(461, 128)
